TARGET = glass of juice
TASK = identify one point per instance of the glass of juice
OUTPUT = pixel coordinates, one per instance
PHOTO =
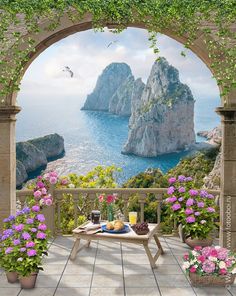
(133, 218)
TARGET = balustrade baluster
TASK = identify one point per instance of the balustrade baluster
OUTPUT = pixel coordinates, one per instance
(142, 199)
(58, 199)
(75, 198)
(126, 199)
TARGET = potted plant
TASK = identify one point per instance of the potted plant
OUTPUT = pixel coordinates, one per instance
(194, 209)
(210, 266)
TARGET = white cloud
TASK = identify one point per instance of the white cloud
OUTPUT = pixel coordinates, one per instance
(87, 54)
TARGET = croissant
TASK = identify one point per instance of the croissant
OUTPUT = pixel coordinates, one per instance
(118, 225)
(110, 226)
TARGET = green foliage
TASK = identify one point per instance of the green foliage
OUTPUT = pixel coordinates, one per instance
(182, 17)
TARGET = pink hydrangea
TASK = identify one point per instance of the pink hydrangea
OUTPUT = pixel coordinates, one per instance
(171, 190)
(48, 202)
(189, 202)
(37, 194)
(222, 253)
(193, 192)
(42, 227)
(188, 211)
(206, 251)
(44, 191)
(53, 180)
(190, 219)
(172, 180)
(181, 189)
(31, 253)
(176, 207)
(208, 266)
(35, 208)
(30, 244)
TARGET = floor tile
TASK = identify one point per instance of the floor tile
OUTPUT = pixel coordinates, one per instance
(137, 269)
(173, 291)
(79, 269)
(107, 281)
(142, 291)
(38, 292)
(9, 291)
(107, 292)
(71, 281)
(167, 269)
(212, 291)
(135, 259)
(108, 269)
(112, 259)
(4, 283)
(143, 280)
(172, 280)
(47, 281)
(82, 259)
(72, 292)
(52, 269)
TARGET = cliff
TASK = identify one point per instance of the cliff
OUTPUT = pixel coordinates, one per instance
(163, 121)
(112, 77)
(213, 137)
(33, 155)
(120, 102)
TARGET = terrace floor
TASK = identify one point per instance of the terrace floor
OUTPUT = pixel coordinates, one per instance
(107, 269)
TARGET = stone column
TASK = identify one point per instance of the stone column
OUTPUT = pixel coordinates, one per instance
(228, 178)
(7, 161)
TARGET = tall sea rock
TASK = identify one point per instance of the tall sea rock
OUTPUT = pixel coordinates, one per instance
(163, 119)
(112, 77)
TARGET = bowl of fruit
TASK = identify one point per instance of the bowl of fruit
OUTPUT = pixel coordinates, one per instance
(141, 228)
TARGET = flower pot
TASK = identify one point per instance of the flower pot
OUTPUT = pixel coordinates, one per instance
(192, 243)
(28, 282)
(211, 280)
(12, 277)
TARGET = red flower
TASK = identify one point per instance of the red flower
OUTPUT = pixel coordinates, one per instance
(201, 258)
(213, 253)
(110, 198)
(101, 197)
(198, 248)
(193, 269)
(186, 256)
(223, 271)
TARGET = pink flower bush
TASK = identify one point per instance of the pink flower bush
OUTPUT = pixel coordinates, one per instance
(194, 209)
(208, 260)
(107, 199)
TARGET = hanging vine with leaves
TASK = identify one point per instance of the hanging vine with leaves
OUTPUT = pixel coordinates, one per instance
(214, 19)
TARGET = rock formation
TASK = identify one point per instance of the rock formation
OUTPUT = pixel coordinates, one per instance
(33, 155)
(163, 119)
(214, 136)
(112, 77)
(120, 102)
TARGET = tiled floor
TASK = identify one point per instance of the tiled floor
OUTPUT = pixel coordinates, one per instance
(107, 269)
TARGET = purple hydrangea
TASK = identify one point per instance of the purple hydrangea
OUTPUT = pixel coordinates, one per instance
(22, 250)
(188, 211)
(176, 207)
(40, 184)
(35, 208)
(188, 179)
(33, 229)
(18, 213)
(8, 232)
(171, 190)
(197, 213)
(181, 190)
(172, 180)
(190, 219)
(203, 193)
(6, 220)
(42, 227)
(16, 242)
(26, 235)
(201, 204)
(189, 202)
(30, 221)
(8, 250)
(193, 192)
(31, 253)
(30, 244)
(41, 235)
(210, 210)
(26, 210)
(210, 196)
(40, 217)
(19, 227)
(181, 178)
(171, 199)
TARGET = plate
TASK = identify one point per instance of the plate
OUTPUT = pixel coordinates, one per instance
(124, 230)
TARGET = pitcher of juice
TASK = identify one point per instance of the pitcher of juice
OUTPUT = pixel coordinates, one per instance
(133, 218)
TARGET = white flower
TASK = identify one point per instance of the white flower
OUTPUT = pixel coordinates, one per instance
(211, 258)
(233, 271)
(20, 259)
(194, 253)
(41, 202)
(71, 185)
(186, 265)
(222, 264)
(192, 262)
(217, 247)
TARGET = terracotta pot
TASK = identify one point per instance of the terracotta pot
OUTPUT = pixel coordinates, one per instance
(192, 243)
(28, 282)
(12, 277)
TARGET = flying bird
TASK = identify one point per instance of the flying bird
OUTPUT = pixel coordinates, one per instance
(67, 69)
(112, 42)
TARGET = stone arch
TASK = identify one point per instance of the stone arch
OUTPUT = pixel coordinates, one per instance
(9, 109)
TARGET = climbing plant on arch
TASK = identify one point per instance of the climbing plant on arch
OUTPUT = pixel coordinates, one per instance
(213, 20)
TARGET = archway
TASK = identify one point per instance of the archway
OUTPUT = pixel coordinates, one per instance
(9, 109)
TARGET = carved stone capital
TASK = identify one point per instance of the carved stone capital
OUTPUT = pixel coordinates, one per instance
(228, 114)
(8, 113)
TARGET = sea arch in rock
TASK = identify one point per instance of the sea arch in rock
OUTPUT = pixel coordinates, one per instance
(66, 27)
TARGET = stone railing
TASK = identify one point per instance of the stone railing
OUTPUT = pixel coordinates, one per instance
(87, 198)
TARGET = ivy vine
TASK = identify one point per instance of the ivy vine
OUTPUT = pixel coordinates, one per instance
(21, 18)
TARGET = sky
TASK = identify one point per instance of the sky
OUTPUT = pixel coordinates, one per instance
(87, 54)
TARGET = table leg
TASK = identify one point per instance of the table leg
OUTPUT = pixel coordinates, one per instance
(75, 249)
(88, 243)
(158, 243)
(153, 259)
(149, 254)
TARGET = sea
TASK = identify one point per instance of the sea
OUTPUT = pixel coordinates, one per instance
(96, 138)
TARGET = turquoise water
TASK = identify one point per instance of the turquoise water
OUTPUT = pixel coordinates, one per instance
(93, 138)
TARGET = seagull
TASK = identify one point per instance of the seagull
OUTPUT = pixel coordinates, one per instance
(67, 69)
(112, 42)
